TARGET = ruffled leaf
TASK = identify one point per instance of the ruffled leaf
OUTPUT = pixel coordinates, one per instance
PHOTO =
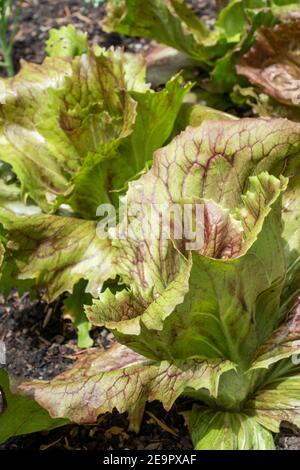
(58, 116)
(62, 122)
(127, 313)
(222, 315)
(212, 162)
(66, 42)
(57, 251)
(273, 62)
(119, 378)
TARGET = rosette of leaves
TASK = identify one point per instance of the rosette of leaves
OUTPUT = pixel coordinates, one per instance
(73, 132)
(219, 321)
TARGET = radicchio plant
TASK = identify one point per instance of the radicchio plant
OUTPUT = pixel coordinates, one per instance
(73, 132)
(218, 321)
(219, 324)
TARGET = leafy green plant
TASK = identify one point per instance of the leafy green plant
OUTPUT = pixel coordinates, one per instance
(74, 131)
(9, 18)
(219, 323)
(214, 51)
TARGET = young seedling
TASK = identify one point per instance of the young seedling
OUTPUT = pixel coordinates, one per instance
(9, 19)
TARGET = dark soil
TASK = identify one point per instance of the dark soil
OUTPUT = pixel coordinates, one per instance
(39, 343)
(110, 433)
(38, 16)
(287, 440)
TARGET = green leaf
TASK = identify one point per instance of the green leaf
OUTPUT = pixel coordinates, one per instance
(216, 159)
(156, 115)
(232, 20)
(66, 42)
(119, 378)
(171, 23)
(21, 415)
(224, 76)
(278, 401)
(193, 115)
(126, 313)
(240, 19)
(46, 139)
(221, 430)
(223, 314)
(74, 118)
(57, 251)
(68, 136)
(8, 280)
(73, 309)
(283, 343)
